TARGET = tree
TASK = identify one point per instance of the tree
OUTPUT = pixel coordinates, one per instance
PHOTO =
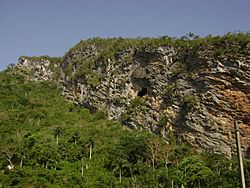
(90, 145)
(133, 147)
(128, 154)
(157, 151)
(190, 35)
(57, 132)
(22, 156)
(19, 140)
(11, 66)
(8, 152)
(75, 137)
(193, 172)
(47, 155)
(119, 165)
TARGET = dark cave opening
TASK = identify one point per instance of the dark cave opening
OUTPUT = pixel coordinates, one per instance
(142, 92)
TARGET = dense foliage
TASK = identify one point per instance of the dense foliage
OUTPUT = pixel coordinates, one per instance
(46, 141)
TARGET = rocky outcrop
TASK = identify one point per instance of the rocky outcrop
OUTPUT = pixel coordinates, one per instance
(195, 91)
(36, 68)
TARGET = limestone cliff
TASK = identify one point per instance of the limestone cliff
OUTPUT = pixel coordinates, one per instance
(192, 88)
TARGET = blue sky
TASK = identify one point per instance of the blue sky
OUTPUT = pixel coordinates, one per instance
(51, 27)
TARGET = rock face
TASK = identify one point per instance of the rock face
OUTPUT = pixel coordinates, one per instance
(194, 89)
(36, 68)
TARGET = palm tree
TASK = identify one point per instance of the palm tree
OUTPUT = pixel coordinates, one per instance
(75, 137)
(22, 156)
(119, 165)
(57, 132)
(190, 35)
(90, 145)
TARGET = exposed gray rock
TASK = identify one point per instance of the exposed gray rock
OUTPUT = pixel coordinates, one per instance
(41, 70)
(199, 95)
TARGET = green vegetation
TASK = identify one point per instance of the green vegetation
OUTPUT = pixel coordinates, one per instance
(83, 57)
(163, 121)
(46, 141)
(109, 47)
(190, 102)
(49, 142)
(53, 65)
(94, 80)
(53, 60)
(39, 58)
(170, 89)
(86, 54)
(136, 105)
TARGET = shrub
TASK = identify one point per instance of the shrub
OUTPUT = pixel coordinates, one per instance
(189, 102)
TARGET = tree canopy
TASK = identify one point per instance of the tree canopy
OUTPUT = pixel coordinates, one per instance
(46, 141)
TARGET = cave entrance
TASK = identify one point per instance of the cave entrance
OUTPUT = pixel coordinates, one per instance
(142, 92)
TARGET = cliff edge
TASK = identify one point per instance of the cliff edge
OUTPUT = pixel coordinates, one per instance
(190, 88)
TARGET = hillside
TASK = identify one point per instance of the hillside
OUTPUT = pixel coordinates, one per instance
(86, 119)
(49, 142)
(193, 87)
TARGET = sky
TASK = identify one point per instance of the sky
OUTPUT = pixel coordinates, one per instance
(51, 27)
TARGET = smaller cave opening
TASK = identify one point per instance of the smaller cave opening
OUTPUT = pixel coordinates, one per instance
(142, 92)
